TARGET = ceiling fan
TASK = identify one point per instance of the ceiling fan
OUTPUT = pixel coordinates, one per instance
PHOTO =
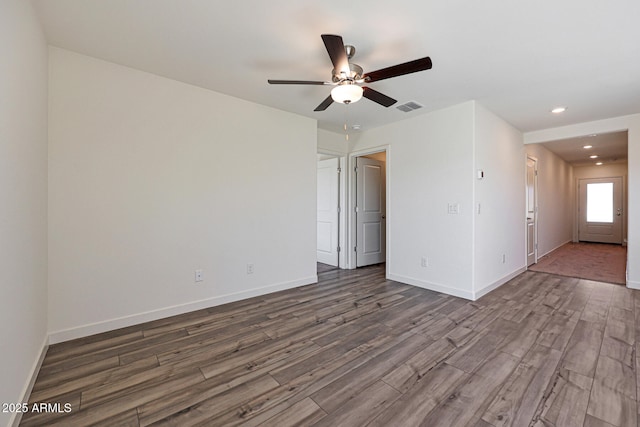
(348, 77)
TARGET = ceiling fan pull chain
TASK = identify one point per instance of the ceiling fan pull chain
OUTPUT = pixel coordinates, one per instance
(346, 122)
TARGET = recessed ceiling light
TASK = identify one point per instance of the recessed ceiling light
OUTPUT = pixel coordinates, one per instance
(559, 110)
(586, 147)
(599, 164)
(595, 156)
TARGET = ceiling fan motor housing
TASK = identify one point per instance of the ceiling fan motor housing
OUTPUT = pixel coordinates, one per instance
(355, 74)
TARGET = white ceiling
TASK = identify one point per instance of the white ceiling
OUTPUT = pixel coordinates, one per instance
(609, 147)
(518, 58)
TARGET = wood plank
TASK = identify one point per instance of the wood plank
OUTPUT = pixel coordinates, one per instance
(476, 352)
(522, 339)
(180, 400)
(305, 412)
(518, 399)
(591, 421)
(612, 406)
(558, 331)
(618, 350)
(595, 311)
(207, 410)
(617, 376)
(583, 349)
(327, 354)
(474, 395)
(128, 400)
(621, 331)
(348, 386)
(47, 394)
(47, 379)
(566, 403)
(420, 399)
(405, 375)
(55, 354)
(363, 407)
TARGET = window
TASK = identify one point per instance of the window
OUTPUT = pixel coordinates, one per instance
(600, 202)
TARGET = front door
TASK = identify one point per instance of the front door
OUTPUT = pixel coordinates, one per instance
(532, 202)
(370, 212)
(600, 208)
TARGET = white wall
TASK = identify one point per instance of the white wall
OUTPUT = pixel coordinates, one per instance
(632, 124)
(150, 179)
(331, 142)
(429, 164)
(500, 223)
(556, 199)
(605, 171)
(23, 198)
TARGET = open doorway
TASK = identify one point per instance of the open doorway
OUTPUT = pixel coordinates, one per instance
(570, 172)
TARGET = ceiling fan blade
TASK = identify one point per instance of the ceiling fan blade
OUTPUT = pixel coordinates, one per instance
(324, 104)
(335, 49)
(378, 97)
(296, 82)
(414, 66)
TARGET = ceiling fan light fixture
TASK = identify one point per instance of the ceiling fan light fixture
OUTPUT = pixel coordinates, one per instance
(346, 93)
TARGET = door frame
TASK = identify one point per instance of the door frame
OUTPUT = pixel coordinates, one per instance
(342, 203)
(535, 212)
(351, 203)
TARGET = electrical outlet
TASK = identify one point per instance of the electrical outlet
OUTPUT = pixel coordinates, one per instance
(198, 275)
(424, 262)
(249, 268)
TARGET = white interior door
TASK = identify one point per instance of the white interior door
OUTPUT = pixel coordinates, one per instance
(327, 218)
(532, 203)
(370, 212)
(600, 210)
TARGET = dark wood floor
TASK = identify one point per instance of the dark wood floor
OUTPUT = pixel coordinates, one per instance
(356, 350)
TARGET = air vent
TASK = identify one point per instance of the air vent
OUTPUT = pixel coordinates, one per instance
(409, 106)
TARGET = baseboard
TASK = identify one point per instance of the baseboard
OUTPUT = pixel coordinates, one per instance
(495, 285)
(35, 369)
(431, 286)
(633, 285)
(454, 291)
(125, 321)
